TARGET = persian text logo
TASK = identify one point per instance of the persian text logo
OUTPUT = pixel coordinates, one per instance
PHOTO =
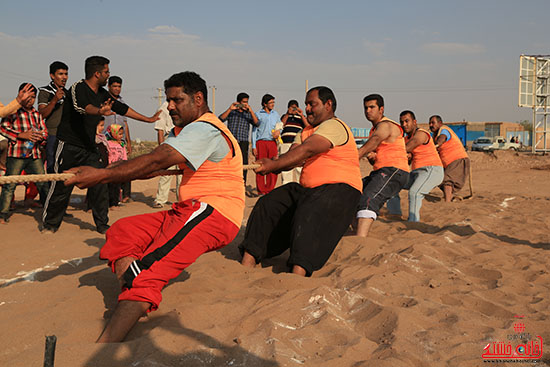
(519, 327)
(520, 346)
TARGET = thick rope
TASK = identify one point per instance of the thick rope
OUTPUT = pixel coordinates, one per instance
(15, 179)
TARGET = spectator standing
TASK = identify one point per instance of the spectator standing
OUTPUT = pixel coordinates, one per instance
(117, 153)
(164, 126)
(294, 122)
(239, 117)
(25, 131)
(114, 86)
(10, 108)
(264, 144)
(50, 105)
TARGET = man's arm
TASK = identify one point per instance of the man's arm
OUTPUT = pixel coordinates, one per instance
(46, 108)
(160, 136)
(284, 118)
(440, 140)
(315, 144)
(255, 119)
(419, 138)
(138, 116)
(382, 132)
(14, 105)
(10, 130)
(110, 107)
(225, 115)
(162, 157)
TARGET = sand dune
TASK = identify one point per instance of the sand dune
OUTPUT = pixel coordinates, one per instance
(426, 294)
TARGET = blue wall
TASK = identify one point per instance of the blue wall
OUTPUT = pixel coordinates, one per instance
(460, 131)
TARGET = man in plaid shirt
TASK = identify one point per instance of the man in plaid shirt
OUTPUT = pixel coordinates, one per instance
(23, 126)
(239, 117)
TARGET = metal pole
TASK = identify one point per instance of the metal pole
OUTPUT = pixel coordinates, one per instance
(534, 137)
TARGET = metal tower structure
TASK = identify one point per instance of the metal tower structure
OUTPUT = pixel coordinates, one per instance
(534, 92)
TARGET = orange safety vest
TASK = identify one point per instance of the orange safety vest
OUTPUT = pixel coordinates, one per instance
(424, 154)
(218, 184)
(391, 154)
(452, 149)
(339, 164)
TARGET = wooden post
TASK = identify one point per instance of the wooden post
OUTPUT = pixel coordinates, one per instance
(49, 353)
(214, 99)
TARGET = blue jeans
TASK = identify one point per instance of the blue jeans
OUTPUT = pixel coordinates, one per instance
(14, 167)
(421, 181)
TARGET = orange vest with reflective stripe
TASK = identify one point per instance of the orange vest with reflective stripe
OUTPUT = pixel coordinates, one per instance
(218, 184)
(424, 154)
(391, 154)
(340, 164)
(452, 149)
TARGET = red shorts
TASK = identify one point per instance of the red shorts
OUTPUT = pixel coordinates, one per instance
(164, 243)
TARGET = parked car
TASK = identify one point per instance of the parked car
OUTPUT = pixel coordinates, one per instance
(482, 143)
(360, 142)
(500, 143)
(497, 143)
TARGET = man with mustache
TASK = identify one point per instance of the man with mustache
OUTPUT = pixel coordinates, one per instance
(456, 162)
(146, 251)
(309, 217)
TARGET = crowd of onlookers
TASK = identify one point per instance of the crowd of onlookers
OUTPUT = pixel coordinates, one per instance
(33, 139)
(82, 125)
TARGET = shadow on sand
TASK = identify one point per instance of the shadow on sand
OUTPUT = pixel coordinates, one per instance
(467, 230)
(141, 350)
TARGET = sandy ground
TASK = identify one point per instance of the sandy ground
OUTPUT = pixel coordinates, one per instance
(429, 294)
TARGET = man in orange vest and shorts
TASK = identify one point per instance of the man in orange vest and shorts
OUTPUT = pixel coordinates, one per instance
(309, 217)
(385, 150)
(146, 251)
(456, 163)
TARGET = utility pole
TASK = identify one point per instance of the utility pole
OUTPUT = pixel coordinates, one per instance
(307, 86)
(159, 97)
(213, 99)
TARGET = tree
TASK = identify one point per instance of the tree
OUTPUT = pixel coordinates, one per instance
(527, 125)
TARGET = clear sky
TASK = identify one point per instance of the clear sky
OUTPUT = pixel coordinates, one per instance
(459, 59)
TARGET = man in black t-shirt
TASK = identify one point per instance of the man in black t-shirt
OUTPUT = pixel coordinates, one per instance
(50, 105)
(85, 103)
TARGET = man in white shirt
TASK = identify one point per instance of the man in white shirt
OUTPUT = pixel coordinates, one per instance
(163, 126)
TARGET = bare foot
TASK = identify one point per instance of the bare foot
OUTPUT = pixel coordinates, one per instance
(248, 260)
(298, 270)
